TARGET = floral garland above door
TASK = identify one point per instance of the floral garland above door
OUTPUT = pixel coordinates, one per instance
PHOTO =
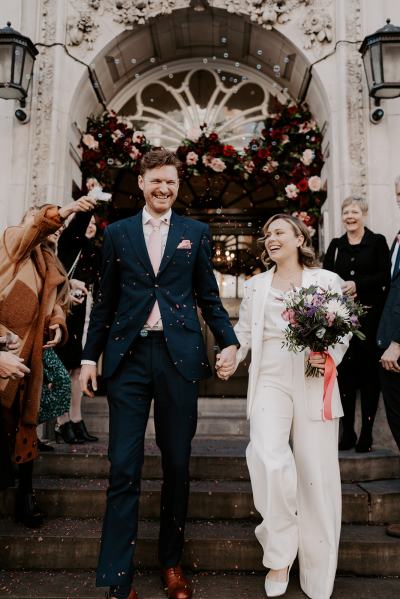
(287, 155)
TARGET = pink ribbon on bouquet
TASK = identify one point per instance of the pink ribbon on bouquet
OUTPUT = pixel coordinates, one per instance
(329, 382)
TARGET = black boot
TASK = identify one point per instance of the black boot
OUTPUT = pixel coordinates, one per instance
(81, 432)
(364, 443)
(65, 432)
(27, 509)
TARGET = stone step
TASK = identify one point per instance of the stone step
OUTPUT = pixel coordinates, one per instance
(219, 546)
(207, 407)
(372, 503)
(216, 416)
(206, 425)
(212, 458)
(56, 584)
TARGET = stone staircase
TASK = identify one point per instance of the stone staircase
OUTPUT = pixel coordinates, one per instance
(57, 561)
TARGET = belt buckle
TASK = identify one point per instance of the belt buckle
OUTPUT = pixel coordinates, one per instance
(144, 333)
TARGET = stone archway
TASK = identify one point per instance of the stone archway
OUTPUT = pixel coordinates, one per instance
(173, 48)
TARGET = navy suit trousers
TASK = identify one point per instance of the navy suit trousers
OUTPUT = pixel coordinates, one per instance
(146, 372)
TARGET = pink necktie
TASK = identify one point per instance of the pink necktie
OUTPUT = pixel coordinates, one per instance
(154, 249)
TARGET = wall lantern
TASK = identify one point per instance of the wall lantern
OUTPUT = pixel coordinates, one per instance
(17, 56)
(381, 56)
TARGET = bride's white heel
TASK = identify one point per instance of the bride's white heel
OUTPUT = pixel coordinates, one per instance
(274, 588)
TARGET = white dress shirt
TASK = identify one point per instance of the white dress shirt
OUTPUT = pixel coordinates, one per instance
(147, 229)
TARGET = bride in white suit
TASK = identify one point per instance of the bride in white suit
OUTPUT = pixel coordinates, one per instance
(296, 488)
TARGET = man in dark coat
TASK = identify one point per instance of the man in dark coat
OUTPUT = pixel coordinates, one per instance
(388, 339)
(156, 271)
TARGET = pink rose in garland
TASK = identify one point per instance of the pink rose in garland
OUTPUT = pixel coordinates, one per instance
(207, 155)
(314, 183)
(288, 156)
(110, 140)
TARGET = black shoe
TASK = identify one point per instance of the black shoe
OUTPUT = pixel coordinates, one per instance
(364, 444)
(65, 432)
(44, 446)
(348, 441)
(27, 510)
(81, 432)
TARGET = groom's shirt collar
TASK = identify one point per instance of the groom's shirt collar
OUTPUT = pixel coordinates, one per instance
(165, 218)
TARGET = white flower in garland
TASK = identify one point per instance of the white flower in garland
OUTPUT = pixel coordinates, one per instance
(90, 141)
(291, 191)
(314, 183)
(307, 157)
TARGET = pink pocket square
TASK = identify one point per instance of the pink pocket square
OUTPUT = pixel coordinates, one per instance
(185, 244)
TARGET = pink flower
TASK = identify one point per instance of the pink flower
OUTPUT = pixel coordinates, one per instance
(192, 158)
(289, 315)
(206, 160)
(90, 141)
(314, 183)
(193, 134)
(330, 318)
(270, 167)
(217, 165)
(249, 166)
(138, 137)
(285, 139)
(291, 191)
(307, 157)
(134, 153)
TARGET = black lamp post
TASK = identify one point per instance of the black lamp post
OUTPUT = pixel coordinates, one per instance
(17, 56)
(381, 56)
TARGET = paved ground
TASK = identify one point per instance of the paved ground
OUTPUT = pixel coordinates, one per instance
(80, 585)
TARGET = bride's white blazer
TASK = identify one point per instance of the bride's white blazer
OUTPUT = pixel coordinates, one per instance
(250, 329)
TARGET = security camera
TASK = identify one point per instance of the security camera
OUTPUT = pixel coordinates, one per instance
(21, 115)
(376, 115)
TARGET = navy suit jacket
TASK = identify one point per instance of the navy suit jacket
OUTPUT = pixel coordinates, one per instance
(129, 288)
(389, 325)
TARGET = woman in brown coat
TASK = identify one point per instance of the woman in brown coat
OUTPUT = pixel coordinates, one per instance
(33, 299)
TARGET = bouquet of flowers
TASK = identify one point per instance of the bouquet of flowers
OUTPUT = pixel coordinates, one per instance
(318, 319)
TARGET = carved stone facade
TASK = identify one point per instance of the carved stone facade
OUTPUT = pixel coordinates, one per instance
(316, 24)
(42, 105)
(358, 159)
(357, 135)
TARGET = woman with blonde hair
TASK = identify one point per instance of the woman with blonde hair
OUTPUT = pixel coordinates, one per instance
(362, 259)
(34, 298)
(296, 486)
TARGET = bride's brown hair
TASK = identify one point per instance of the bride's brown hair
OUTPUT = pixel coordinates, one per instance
(306, 252)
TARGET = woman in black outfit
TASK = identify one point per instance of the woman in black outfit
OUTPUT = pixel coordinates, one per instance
(80, 256)
(361, 258)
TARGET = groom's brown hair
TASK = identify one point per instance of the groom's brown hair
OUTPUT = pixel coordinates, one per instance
(159, 157)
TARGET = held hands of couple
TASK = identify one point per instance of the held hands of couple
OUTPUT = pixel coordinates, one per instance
(88, 379)
(226, 362)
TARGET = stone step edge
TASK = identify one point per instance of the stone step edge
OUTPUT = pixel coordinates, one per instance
(223, 585)
(364, 550)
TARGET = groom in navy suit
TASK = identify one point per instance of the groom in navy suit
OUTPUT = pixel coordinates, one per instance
(156, 271)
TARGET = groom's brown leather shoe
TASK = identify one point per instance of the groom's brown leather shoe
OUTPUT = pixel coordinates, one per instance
(393, 530)
(176, 583)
